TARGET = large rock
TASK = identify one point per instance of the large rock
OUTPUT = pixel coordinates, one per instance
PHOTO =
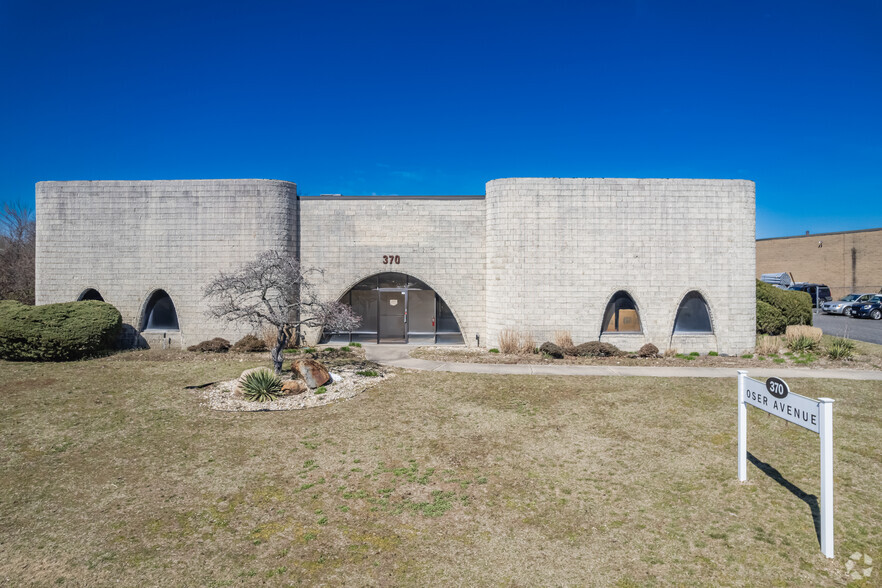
(237, 389)
(312, 372)
(293, 387)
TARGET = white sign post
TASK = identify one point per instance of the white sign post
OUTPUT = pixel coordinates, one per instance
(775, 397)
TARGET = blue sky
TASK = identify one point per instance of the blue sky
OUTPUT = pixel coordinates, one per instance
(440, 97)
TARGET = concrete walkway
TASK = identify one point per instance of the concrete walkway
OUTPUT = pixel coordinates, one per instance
(399, 356)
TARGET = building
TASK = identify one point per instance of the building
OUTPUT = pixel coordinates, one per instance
(846, 261)
(628, 261)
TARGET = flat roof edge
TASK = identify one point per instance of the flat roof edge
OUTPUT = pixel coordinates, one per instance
(810, 235)
(373, 197)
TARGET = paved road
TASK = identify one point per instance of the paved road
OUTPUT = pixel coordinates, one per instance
(399, 356)
(860, 329)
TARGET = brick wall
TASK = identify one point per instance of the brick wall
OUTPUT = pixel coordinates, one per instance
(127, 239)
(559, 248)
(847, 262)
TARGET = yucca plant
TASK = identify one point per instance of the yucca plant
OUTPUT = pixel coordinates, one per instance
(840, 348)
(261, 386)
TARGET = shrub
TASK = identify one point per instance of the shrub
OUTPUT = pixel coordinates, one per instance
(712, 354)
(551, 349)
(57, 332)
(261, 386)
(795, 307)
(494, 350)
(695, 354)
(769, 320)
(648, 350)
(249, 343)
(368, 373)
(597, 349)
(321, 390)
(768, 345)
(840, 348)
(747, 356)
(564, 340)
(216, 345)
(512, 341)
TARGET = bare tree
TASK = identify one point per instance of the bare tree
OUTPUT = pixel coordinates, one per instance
(18, 237)
(274, 289)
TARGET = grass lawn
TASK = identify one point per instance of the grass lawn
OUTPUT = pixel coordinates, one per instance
(112, 473)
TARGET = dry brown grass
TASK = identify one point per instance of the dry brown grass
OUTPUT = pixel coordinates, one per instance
(269, 334)
(512, 341)
(795, 331)
(526, 344)
(564, 340)
(112, 473)
(768, 345)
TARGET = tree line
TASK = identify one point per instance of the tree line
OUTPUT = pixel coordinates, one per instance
(18, 240)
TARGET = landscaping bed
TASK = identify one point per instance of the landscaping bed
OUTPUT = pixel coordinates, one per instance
(867, 356)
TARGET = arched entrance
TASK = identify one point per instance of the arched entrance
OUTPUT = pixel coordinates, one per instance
(398, 308)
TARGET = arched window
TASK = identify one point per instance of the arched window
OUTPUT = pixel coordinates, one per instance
(621, 314)
(693, 316)
(396, 307)
(91, 294)
(159, 312)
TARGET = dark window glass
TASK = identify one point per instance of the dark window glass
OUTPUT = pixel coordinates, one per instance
(693, 316)
(393, 280)
(365, 304)
(160, 312)
(420, 311)
(446, 321)
(368, 284)
(621, 315)
(91, 294)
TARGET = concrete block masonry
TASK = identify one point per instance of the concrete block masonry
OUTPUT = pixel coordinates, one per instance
(534, 254)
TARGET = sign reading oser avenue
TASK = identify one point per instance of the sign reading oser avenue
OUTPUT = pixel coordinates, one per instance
(797, 409)
(774, 397)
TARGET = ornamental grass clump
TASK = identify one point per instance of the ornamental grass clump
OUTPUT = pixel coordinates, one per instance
(766, 345)
(802, 338)
(564, 340)
(840, 348)
(261, 386)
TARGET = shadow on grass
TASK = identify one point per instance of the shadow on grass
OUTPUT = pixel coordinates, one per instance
(810, 499)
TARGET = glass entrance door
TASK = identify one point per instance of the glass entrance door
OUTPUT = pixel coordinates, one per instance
(393, 316)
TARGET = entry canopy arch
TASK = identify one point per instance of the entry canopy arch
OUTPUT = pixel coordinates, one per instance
(159, 312)
(621, 315)
(91, 294)
(396, 307)
(693, 315)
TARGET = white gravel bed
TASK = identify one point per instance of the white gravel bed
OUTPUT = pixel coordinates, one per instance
(346, 384)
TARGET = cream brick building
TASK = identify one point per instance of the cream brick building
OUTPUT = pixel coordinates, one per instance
(629, 261)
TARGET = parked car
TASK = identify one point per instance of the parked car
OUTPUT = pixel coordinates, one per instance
(871, 308)
(816, 290)
(843, 305)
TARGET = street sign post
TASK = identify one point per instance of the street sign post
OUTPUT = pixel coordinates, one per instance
(774, 397)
